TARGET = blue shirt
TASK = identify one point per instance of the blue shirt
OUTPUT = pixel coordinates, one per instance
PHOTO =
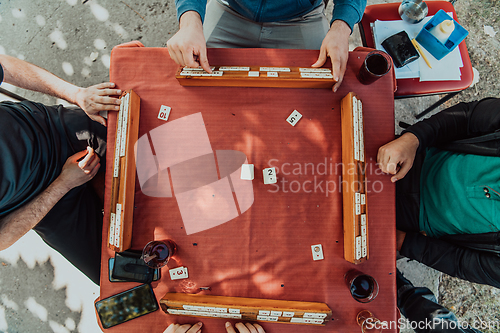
(349, 11)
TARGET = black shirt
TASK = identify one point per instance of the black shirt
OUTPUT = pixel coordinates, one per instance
(33, 149)
(32, 152)
(35, 142)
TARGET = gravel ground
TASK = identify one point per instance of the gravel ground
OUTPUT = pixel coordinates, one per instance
(474, 303)
(484, 50)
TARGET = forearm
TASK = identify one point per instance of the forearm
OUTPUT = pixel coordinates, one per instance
(28, 76)
(14, 225)
(349, 11)
(468, 264)
(458, 122)
(78, 169)
(195, 6)
(341, 27)
(190, 18)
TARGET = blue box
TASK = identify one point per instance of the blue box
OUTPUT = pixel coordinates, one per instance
(432, 44)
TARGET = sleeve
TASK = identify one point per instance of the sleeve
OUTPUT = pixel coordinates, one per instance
(461, 121)
(1, 74)
(183, 6)
(349, 11)
(468, 264)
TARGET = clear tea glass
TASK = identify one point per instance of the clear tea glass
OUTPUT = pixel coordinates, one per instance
(363, 287)
(375, 65)
(156, 254)
(368, 322)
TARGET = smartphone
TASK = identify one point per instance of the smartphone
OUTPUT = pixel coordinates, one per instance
(111, 264)
(126, 306)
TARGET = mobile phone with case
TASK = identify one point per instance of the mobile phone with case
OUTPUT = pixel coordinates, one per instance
(125, 306)
(129, 266)
(111, 263)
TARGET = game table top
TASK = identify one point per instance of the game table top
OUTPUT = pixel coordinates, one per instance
(260, 243)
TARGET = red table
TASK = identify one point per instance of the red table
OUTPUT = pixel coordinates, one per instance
(413, 87)
(265, 252)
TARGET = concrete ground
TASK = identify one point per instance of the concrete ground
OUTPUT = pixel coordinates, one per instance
(39, 290)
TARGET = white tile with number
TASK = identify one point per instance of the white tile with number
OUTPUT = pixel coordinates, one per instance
(317, 252)
(270, 175)
(178, 273)
(294, 118)
(164, 112)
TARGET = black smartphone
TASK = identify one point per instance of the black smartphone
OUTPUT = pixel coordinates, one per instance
(126, 306)
(111, 264)
(129, 266)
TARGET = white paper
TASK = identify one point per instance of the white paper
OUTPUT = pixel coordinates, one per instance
(446, 69)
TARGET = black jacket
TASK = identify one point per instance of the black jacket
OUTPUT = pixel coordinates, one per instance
(472, 128)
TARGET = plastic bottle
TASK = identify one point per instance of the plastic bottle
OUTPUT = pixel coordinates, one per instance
(443, 30)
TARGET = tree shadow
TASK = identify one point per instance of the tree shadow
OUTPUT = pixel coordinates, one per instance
(30, 303)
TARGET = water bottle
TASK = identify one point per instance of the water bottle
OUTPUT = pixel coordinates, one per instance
(443, 30)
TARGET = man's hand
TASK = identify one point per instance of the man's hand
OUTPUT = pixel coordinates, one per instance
(186, 328)
(397, 156)
(92, 99)
(98, 98)
(188, 47)
(400, 238)
(336, 46)
(76, 172)
(245, 328)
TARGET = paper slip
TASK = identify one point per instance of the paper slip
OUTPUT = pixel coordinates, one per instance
(446, 69)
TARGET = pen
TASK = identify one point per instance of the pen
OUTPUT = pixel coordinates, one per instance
(419, 50)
